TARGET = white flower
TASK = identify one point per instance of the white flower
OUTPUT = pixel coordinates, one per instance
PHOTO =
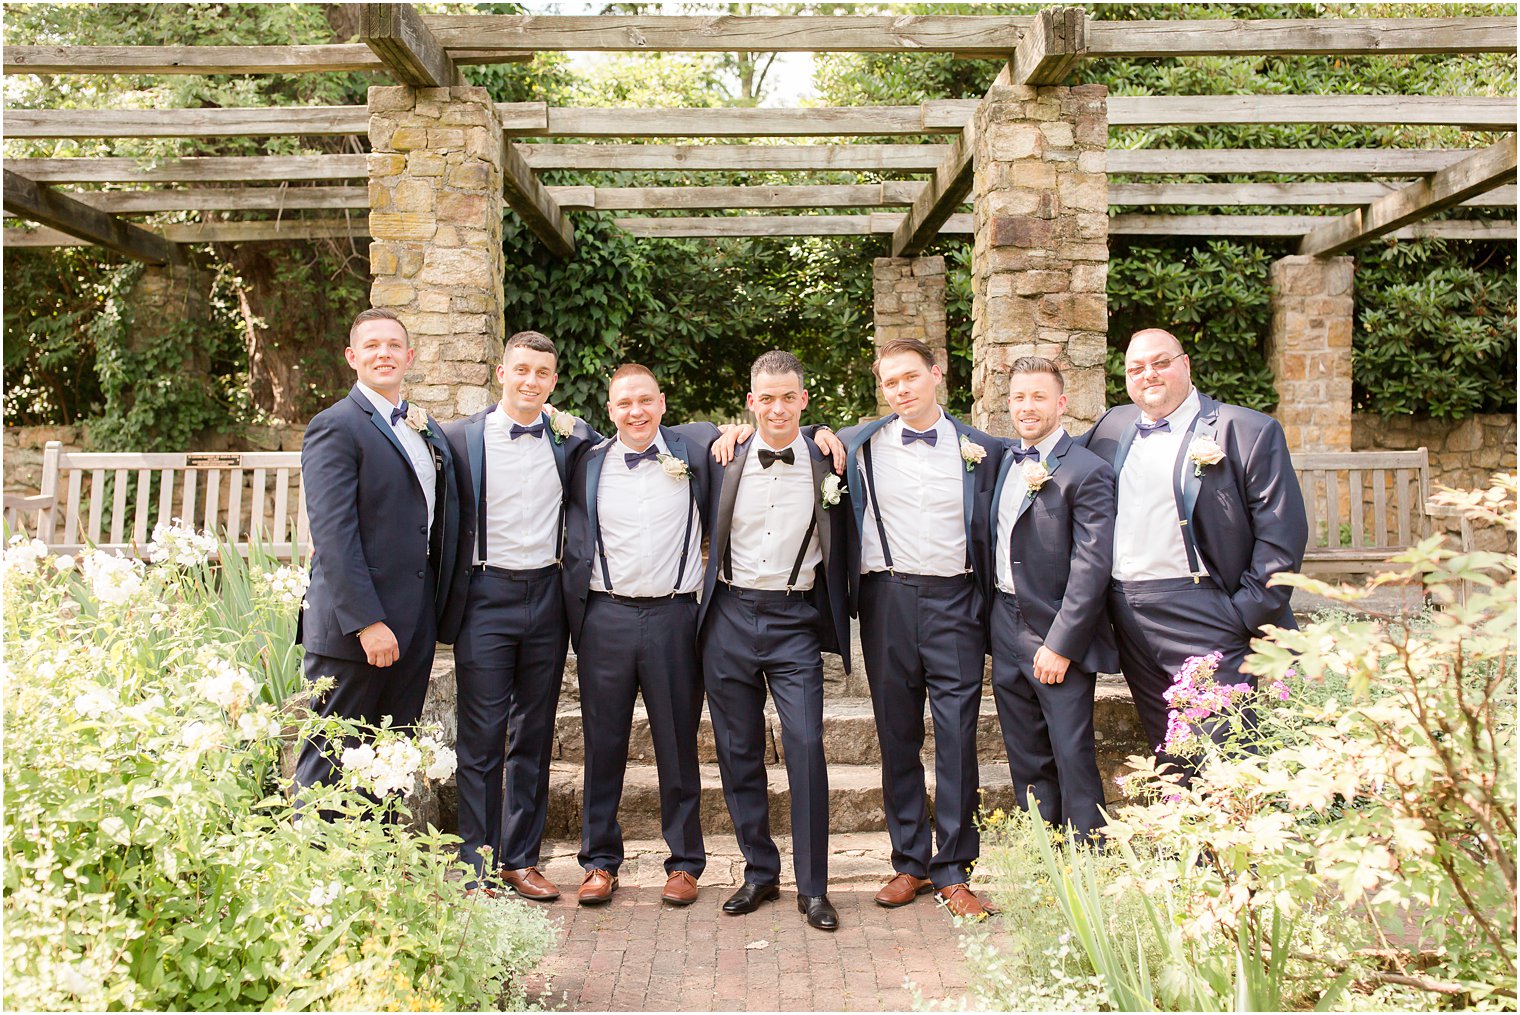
(441, 760)
(259, 725)
(63, 563)
(23, 555)
(972, 453)
(1034, 475)
(227, 685)
(95, 701)
(285, 585)
(114, 580)
(833, 489)
(561, 425)
(179, 544)
(417, 419)
(199, 737)
(395, 767)
(673, 466)
(1204, 452)
(323, 895)
(357, 760)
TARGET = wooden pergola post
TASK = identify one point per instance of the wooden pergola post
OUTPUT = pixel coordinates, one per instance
(910, 303)
(1309, 350)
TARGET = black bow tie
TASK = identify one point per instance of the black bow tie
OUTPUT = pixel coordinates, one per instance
(399, 412)
(536, 430)
(769, 457)
(633, 458)
(1146, 429)
(929, 437)
(1022, 455)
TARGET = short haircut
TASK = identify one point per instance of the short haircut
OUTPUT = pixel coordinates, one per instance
(1162, 332)
(1037, 365)
(632, 370)
(535, 340)
(378, 314)
(777, 361)
(899, 346)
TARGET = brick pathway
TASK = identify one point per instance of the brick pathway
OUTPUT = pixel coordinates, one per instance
(637, 954)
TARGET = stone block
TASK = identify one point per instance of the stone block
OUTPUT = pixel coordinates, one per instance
(382, 259)
(382, 130)
(391, 98)
(447, 236)
(413, 196)
(483, 144)
(445, 138)
(418, 227)
(1465, 436)
(428, 324)
(1093, 162)
(1087, 349)
(424, 164)
(1022, 231)
(433, 302)
(380, 197)
(434, 94)
(385, 164)
(1057, 134)
(1090, 132)
(1029, 283)
(406, 139)
(1089, 278)
(458, 267)
(928, 266)
(428, 109)
(411, 262)
(465, 323)
(464, 208)
(1084, 192)
(390, 292)
(469, 176)
(1014, 141)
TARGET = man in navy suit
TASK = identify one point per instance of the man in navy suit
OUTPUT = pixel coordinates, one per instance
(775, 595)
(1208, 510)
(916, 479)
(384, 513)
(1050, 533)
(514, 461)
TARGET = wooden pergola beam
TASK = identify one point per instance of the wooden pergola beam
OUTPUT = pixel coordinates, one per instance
(277, 121)
(405, 45)
(733, 157)
(210, 232)
(148, 202)
(205, 169)
(1473, 175)
(1276, 194)
(1297, 161)
(339, 57)
(1050, 47)
(40, 203)
(536, 206)
(1301, 37)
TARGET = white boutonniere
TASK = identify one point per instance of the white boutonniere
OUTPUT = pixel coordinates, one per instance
(972, 453)
(673, 466)
(417, 419)
(561, 425)
(1035, 474)
(1204, 452)
(832, 490)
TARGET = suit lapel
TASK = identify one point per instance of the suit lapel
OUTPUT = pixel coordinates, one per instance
(821, 471)
(1051, 465)
(1205, 425)
(968, 477)
(381, 423)
(852, 471)
(595, 459)
(728, 494)
(560, 454)
(475, 447)
(1125, 442)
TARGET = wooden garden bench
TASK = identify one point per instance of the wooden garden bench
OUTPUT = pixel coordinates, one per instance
(113, 500)
(1363, 506)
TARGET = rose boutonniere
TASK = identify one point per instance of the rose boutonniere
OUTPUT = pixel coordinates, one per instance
(1204, 452)
(561, 425)
(832, 490)
(972, 453)
(417, 419)
(673, 466)
(1035, 474)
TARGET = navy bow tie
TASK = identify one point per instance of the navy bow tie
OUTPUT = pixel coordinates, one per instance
(633, 458)
(1022, 455)
(929, 437)
(399, 412)
(536, 430)
(769, 457)
(1146, 429)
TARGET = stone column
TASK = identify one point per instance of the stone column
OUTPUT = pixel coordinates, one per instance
(1309, 349)
(435, 198)
(1040, 260)
(910, 303)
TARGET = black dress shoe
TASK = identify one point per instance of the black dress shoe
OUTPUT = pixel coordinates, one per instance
(819, 911)
(748, 898)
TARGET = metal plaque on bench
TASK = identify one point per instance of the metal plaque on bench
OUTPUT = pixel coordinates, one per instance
(213, 460)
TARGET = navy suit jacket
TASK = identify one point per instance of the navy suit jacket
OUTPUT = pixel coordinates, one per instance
(689, 442)
(369, 532)
(466, 438)
(831, 582)
(977, 486)
(1246, 512)
(1063, 551)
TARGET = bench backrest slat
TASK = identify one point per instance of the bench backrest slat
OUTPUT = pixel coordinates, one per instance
(140, 514)
(1376, 525)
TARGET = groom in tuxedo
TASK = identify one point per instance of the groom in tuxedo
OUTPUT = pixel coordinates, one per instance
(775, 595)
(1051, 533)
(384, 513)
(916, 479)
(1208, 510)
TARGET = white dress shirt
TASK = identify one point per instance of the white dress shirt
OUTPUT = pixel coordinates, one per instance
(922, 503)
(1147, 537)
(1014, 492)
(642, 513)
(523, 498)
(416, 448)
(772, 511)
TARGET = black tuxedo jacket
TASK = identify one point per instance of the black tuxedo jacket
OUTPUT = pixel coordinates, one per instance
(369, 533)
(466, 438)
(977, 487)
(1246, 512)
(1063, 551)
(689, 442)
(831, 581)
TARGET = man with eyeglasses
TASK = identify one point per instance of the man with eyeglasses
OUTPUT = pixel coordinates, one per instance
(1209, 509)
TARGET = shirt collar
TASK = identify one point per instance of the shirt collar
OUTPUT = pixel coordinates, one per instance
(1183, 414)
(504, 422)
(941, 425)
(379, 401)
(1048, 443)
(659, 442)
(798, 446)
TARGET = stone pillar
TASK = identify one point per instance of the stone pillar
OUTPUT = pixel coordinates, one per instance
(1040, 260)
(910, 303)
(435, 199)
(1309, 350)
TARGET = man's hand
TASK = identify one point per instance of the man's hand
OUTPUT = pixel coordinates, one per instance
(831, 446)
(733, 434)
(1050, 667)
(380, 646)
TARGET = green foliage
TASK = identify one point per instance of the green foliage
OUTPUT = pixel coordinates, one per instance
(53, 297)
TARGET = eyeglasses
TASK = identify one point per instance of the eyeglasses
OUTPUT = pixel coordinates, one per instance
(1158, 365)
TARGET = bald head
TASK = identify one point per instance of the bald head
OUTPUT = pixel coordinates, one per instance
(1157, 372)
(1156, 338)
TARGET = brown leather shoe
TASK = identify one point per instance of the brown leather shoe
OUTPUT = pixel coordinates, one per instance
(597, 888)
(962, 902)
(902, 889)
(530, 884)
(680, 889)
